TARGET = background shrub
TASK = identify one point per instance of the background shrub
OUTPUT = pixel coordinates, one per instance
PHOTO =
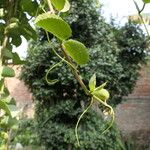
(58, 106)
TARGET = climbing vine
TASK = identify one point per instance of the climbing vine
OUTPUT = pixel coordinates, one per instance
(74, 53)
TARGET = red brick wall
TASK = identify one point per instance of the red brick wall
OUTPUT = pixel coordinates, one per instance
(20, 92)
(142, 88)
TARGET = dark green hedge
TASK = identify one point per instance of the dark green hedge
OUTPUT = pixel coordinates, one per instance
(62, 103)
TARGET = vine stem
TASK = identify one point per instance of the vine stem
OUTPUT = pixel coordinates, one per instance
(77, 124)
(80, 81)
(68, 60)
(75, 72)
(72, 66)
(50, 6)
(141, 18)
(111, 112)
(51, 82)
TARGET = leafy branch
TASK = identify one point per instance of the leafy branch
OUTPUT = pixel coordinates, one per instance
(73, 52)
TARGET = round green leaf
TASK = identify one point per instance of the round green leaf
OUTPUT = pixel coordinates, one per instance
(77, 51)
(58, 4)
(8, 72)
(55, 25)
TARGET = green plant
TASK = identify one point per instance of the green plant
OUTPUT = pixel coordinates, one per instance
(13, 25)
(104, 56)
(25, 133)
(73, 52)
(132, 55)
(56, 128)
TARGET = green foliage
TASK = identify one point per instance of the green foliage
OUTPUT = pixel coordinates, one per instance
(48, 95)
(132, 54)
(59, 5)
(146, 1)
(56, 128)
(66, 6)
(25, 133)
(8, 72)
(14, 23)
(92, 83)
(54, 24)
(29, 6)
(77, 51)
(4, 107)
(86, 22)
(59, 105)
(133, 44)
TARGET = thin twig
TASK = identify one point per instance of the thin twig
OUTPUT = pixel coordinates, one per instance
(141, 17)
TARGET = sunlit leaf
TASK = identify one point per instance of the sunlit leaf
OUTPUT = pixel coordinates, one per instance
(29, 6)
(17, 60)
(77, 51)
(146, 1)
(101, 86)
(66, 6)
(58, 4)
(54, 24)
(7, 72)
(7, 54)
(92, 83)
(5, 107)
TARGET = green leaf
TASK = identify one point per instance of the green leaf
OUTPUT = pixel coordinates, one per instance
(146, 1)
(66, 6)
(17, 60)
(58, 4)
(12, 122)
(77, 51)
(8, 72)
(7, 54)
(16, 40)
(1, 85)
(101, 86)
(29, 6)
(92, 83)
(4, 106)
(28, 32)
(55, 25)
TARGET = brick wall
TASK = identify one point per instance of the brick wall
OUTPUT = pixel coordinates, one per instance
(142, 88)
(20, 92)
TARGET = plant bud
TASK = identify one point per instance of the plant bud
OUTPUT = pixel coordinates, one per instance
(102, 94)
